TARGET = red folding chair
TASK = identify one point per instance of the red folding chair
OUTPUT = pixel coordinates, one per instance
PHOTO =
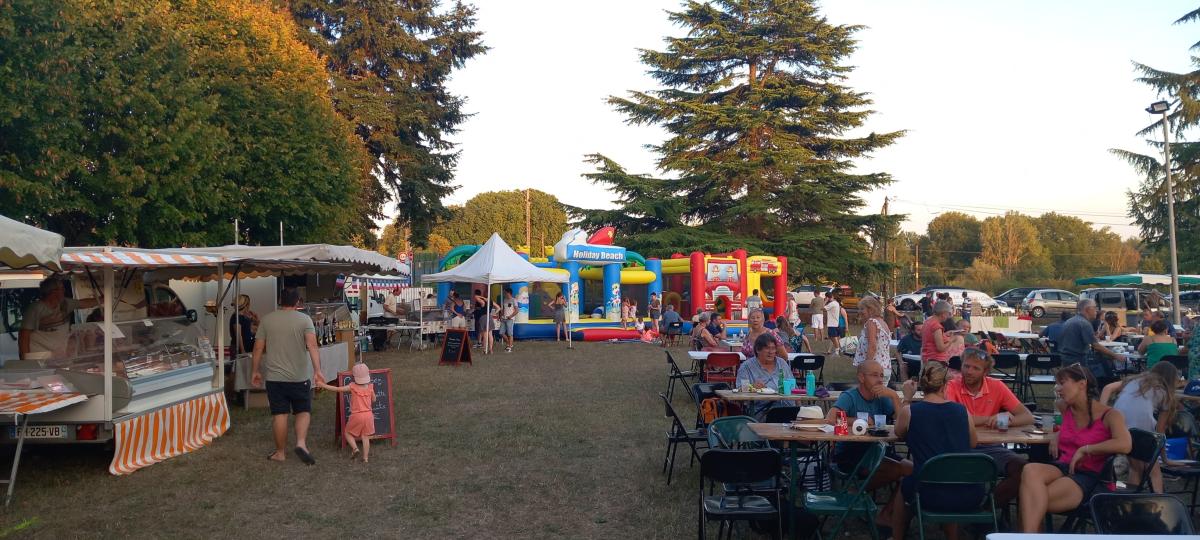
(722, 367)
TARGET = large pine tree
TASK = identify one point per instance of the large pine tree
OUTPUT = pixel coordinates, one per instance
(389, 62)
(760, 153)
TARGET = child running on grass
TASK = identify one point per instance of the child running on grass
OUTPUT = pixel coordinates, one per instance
(361, 424)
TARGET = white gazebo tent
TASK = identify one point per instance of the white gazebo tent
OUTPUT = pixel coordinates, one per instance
(24, 246)
(496, 262)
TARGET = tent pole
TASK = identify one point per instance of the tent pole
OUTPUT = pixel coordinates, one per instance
(220, 356)
(109, 328)
(487, 323)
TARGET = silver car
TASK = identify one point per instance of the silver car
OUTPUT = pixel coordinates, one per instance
(1054, 301)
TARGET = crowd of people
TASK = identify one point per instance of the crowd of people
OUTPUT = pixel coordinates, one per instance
(1096, 414)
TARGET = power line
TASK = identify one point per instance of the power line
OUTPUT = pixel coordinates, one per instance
(974, 211)
(1056, 210)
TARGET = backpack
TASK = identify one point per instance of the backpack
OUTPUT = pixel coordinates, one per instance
(714, 407)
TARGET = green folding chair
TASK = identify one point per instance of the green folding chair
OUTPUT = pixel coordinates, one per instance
(957, 470)
(733, 432)
(853, 498)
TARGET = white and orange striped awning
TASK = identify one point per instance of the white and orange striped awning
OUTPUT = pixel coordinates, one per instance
(26, 402)
(172, 431)
(136, 258)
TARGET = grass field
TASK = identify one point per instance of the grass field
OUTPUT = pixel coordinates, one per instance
(545, 442)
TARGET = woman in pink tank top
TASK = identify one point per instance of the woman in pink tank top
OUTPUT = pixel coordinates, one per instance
(1091, 431)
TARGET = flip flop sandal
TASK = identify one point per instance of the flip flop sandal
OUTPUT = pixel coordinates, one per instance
(305, 456)
(354, 453)
(271, 454)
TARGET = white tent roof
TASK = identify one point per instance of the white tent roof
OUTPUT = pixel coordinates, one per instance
(495, 262)
(23, 246)
(360, 260)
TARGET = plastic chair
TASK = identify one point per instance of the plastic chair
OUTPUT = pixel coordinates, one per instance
(676, 374)
(735, 470)
(1147, 447)
(811, 362)
(1140, 513)
(957, 470)
(1047, 363)
(853, 498)
(679, 434)
(722, 367)
(732, 433)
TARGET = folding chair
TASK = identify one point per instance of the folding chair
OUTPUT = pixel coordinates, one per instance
(722, 367)
(1147, 447)
(853, 498)
(1140, 514)
(680, 434)
(1180, 362)
(733, 433)
(811, 362)
(957, 470)
(702, 391)
(1007, 369)
(736, 471)
(674, 330)
(1046, 363)
(676, 374)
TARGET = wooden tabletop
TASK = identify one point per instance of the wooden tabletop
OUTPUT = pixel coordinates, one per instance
(783, 432)
(730, 395)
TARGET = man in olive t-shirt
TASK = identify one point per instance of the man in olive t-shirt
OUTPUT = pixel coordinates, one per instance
(288, 339)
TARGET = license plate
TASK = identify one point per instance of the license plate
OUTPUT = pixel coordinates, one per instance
(39, 432)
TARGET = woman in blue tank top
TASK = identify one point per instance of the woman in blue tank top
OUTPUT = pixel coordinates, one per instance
(932, 427)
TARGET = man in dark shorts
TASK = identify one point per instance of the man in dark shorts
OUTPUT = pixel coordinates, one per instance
(286, 337)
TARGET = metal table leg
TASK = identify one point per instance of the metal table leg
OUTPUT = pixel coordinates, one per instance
(12, 477)
(792, 494)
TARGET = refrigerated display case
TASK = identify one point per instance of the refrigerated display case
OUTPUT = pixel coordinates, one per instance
(156, 362)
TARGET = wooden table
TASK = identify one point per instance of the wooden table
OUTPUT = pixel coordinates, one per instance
(824, 402)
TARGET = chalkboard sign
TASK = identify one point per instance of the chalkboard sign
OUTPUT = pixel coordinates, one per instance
(385, 416)
(456, 347)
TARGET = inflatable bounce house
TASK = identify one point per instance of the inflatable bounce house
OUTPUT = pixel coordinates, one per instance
(601, 274)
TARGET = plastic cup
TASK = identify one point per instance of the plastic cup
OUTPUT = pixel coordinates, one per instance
(880, 420)
(865, 417)
(1002, 422)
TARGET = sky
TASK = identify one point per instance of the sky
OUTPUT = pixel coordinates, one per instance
(1007, 105)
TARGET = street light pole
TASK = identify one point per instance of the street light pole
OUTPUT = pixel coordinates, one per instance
(1163, 108)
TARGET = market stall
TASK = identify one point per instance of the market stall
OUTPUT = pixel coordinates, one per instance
(331, 315)
(151, 377)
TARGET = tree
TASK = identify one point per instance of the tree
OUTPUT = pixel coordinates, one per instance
(388, 64)
(1071, 244)
(1010, 243)
(952, 243)
(504, 212)
(158, 123)
(758, 154)
(982, 276)
(1147, 203)
(393, 241)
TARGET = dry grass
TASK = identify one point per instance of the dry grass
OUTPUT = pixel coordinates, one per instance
(541, 443)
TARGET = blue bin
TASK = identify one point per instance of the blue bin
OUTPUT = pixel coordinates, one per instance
(1177, 448)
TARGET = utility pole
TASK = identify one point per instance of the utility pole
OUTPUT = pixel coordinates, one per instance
(885, 243)
(528, 238)
(917, 267)
(235, 231)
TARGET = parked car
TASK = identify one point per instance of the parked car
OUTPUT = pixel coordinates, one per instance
(910, 302)
(1042, 301)
(1127, 302)
(1013, 297)
(1189, 299)
(804, 294)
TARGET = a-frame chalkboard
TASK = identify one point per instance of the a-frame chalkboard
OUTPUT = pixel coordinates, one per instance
(385, 414)
(456, 347)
